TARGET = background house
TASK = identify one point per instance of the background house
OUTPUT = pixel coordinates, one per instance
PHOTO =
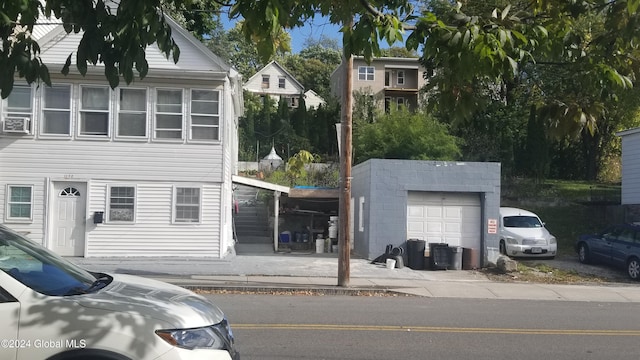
(456, 203)
(275, 81)
(630, 198)
(392, 81)
(140, 170)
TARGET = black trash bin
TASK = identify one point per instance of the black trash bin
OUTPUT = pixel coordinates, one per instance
(455, 260)
(415, 253)
(439, 254)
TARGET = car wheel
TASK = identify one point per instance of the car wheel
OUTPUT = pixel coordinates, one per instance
(503, 248)
(633, 268)
(583, 253)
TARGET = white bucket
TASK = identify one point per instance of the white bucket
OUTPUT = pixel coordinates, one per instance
(391, 263)
(319, 246)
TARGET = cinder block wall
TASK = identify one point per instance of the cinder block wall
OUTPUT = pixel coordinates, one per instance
(385, 184)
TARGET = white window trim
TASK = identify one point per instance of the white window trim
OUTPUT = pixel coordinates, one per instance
(117, 116)
(107, 219)
(42, 109)
(79, 112)
(219, 126)
(155, 112)
(398, 77)
(366, 73)
(5, 109)
(265, 84)
(282, 81)
(7, 216)
(174, 204)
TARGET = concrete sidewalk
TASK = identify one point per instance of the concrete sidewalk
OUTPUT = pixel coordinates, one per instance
(318, 272)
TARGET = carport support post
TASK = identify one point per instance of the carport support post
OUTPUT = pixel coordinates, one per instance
(276, 212)
(344, 243)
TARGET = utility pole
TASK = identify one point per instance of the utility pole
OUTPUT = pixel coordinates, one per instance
(344, 243)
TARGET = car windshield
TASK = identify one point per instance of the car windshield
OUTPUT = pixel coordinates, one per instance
(522, 222)
(39, 268)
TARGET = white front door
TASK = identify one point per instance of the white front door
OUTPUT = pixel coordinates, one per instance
(69, 218)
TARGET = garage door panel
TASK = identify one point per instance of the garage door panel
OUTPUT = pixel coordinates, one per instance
(453, 218)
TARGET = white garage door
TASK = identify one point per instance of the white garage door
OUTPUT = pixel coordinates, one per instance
(452, 218)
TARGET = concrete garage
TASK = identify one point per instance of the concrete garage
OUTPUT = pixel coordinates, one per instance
(456, 203)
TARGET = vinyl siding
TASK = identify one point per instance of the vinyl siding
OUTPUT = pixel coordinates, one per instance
(631, 169)
(153, 233)
(254, 84)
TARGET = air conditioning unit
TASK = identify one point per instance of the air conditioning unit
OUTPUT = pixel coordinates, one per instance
(15, 125)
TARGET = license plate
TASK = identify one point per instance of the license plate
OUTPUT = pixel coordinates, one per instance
(536, 250)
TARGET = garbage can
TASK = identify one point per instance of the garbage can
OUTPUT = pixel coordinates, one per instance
(439, 254)
(470, 259)
(415, 253)
(455, 262)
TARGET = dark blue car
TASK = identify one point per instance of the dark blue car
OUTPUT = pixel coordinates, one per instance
(617, 245)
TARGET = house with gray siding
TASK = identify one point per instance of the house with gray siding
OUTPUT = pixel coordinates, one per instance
(630, 197)
(444, 202)
(140, 170)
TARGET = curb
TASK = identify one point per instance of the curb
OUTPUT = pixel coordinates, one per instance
(295, 290)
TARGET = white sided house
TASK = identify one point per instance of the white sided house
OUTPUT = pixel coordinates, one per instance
(275, 81)
(141, 170)
(630, 198)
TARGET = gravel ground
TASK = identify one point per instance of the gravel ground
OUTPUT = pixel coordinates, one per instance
(571, 271)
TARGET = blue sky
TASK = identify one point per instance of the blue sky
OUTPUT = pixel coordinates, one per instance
(317, 28)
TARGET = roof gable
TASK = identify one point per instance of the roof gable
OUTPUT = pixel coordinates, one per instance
(56, 45)
(272, 67)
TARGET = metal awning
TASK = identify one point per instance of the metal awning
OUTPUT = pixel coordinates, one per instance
(259, 184)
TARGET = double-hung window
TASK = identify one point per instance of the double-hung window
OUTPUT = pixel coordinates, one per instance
(186, 202)
(205, 115)
(400, 77)
(20, 204)
(366, 73)
(122, 204)
(282, 81)
(18, 109)
(132, 113)
(56, 110)
(265, 81)
(168, 121)
(94, 110)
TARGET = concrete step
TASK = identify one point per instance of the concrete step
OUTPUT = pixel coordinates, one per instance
(255, 239)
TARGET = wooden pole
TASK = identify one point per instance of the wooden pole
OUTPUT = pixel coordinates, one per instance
(344, 234)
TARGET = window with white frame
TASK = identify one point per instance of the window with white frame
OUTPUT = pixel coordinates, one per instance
(168, 123)
(186, 202)
(20, 202)
(282, 82)
(56, 110)
(205, 115)
(122, 204)
(400, 77)
(132, 113)
(94, 110)
(366, 73)
(19, 104)
(265, 81)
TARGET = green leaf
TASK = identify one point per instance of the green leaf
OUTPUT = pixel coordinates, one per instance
(505, 12)
(66, 66)
(632, 6)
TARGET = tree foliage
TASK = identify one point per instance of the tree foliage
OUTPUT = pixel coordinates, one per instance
(405, 135)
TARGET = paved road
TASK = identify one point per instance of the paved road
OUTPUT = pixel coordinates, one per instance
(371, 328)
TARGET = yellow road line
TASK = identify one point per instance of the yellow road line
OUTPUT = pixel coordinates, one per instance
(436, 329)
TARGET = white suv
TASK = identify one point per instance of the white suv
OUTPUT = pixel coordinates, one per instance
(522, 233)
(51, 309)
